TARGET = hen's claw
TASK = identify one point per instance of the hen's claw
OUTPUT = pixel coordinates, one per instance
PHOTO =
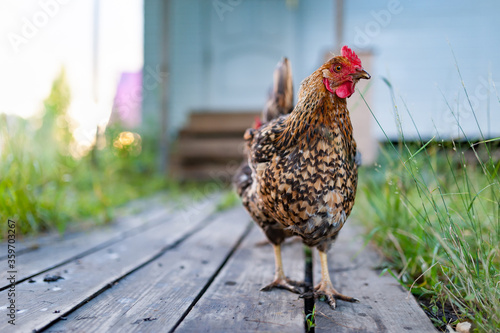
(330, 299)
(325, 288)
(331, 295)
(286, 284)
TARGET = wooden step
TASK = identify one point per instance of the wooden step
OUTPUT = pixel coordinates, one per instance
(209, 171)
(220, 122)
(211, 144)
(196, 148)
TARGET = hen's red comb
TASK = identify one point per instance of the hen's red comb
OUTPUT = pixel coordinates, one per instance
(349, 54)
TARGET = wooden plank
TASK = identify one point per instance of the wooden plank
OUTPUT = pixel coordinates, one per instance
(238, 133)
(164, 289)
(210, 171)
(57, 250)
(123, 220)
(384, 305)
(221, 122)
(234, 302)
(73, 245)
(40, 303)
(28, 244)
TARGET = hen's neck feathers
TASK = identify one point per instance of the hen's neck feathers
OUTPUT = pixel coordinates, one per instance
(317, 115)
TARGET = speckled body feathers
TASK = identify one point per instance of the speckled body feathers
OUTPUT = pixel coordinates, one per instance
(303, 171)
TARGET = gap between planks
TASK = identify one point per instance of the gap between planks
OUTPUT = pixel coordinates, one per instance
(175, 282)
(234, 302)
(212, 278)
(147, 262)
(353, 273)
(97, 271)
(384, 305)
(74, 246)
(125, 216)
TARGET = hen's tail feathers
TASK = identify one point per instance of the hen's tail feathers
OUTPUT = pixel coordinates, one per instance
(280, 101)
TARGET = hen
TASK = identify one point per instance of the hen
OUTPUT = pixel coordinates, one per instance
(302, 169)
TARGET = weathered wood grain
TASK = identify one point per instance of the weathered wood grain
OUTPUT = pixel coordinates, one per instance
(28, 244)
(234, 302)
(211, 148)
(181, 271)
(55, 251)
(126, 218)
(221, 122)
(384, 305)
(154, 298)
(40, 303)
(74, 245)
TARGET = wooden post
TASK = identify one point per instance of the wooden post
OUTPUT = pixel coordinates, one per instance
(164, 145)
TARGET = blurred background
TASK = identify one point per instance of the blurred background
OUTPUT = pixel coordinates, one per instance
(102, 99)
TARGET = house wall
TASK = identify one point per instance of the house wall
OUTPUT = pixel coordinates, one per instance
(414, 48)
(223, 59)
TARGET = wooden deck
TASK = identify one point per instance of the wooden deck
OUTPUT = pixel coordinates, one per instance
(166, 269)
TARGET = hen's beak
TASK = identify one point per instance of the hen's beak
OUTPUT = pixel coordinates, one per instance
(360, 74)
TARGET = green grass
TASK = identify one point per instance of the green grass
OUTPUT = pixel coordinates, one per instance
(43, 187)
(310, 319)
(227, 201)
(433, 207)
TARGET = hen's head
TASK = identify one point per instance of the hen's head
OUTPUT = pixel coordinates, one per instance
(341, 73)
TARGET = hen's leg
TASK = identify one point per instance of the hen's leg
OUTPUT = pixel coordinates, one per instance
(280, 280)
(325, 287)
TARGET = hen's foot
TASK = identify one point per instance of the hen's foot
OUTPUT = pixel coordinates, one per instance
(285, 283)
(327, 293)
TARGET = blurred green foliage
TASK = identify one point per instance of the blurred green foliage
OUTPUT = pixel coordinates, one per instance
(44, 187)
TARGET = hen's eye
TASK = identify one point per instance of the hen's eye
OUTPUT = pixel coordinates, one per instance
(338, 68)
